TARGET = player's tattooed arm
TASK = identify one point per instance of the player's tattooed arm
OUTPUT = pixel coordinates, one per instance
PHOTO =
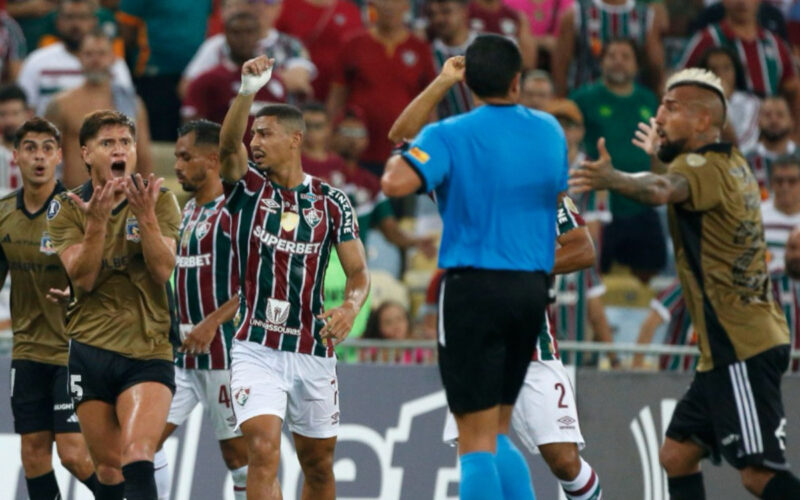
(232, 152)
(339, 320)
(644, 187)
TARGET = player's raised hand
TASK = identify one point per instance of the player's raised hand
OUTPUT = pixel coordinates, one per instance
(593, 175)
(255, 74)
(100, 204)
(338, 322)
(646, 138)
(453, 69)
(142, 196)
(198, 341)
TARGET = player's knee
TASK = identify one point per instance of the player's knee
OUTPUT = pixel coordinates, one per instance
(35, 456)
(566, 465)
(754, 480)
(108, 473)
(263, 452)
(72, 458)
(138, 450)
(318, 469)
(672, 460)
(233, 460)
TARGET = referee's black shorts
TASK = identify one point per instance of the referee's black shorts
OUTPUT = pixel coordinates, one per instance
(489, 322)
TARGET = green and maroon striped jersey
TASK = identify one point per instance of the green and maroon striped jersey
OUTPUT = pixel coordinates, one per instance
(767, 60)
(671, 306)
(787, 292)
(597, 22)
(281, 240)
(205, 278)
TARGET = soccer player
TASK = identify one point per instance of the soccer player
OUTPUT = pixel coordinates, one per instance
(283, 225)
(733, 407)
(116, 236)
(204, 285)
(669, 307)
(497, 248)
(41, 405)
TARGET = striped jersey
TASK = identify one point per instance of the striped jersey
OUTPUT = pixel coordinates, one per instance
(597, 22)
(767, 60)
(205, 278)
(760, 160)
(281, 240)
(777, 226)
(672, 308)
(568, 218)
(459, 98)
(787, 292)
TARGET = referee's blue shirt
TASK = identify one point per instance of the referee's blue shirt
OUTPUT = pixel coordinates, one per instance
(497, 172)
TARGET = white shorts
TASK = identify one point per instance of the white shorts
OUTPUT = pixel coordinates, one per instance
(210, 388)
(545, 410)
(301, 389)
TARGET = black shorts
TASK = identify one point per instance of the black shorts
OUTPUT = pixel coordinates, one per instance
(736, 412)
(637, 242)
(488, 326)
(103, 375)
(39, 398)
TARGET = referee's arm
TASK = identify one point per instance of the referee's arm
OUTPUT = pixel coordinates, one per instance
(399, 179)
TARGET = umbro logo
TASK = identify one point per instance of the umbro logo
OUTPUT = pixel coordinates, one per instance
(566, 422)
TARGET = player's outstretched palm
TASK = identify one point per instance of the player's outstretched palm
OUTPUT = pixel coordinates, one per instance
(100, 204)
(338, 322)
(646, 138)
(593, 175)
(142, 196)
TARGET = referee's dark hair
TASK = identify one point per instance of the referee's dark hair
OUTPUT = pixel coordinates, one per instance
(205, 131)
(287, 115)
(492, 62)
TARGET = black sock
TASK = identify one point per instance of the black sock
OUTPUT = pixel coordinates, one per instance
(140, 481)
(43, 487)
(109, 491)
(687, 487)
(783, 486)
(91, 482)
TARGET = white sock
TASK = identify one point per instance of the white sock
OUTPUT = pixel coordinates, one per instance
(586, 486)
(163, 477)
(239, 483)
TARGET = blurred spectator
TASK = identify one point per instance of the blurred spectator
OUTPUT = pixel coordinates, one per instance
(593, 206)
(493, 16)
(104, 11)
(67, 109)
(343, 172)
(776, 123)
(612, 109)
(292, 63)
(786, 286)
(766, 58)
(590, 25)
(161, 39)
(429, 310)
(215, 23)
(743, 107)
(793, 27)
(781, 213)
(322, 26)
(383, 64)
(32, 16)
(669, 307)
(13, 48)
(56, 67)
(448, 25)
(391, 321)
(210, 94)
(770, 17)
(536, 89)
(13, 113)
(543, 17)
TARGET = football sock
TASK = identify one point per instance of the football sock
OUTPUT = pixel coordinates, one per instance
(687, 487)
(239, 483)
(162, 476)
(515, 477)
(43, 487)
(585, 486)
(90, 482)
(109, 491)
(479, 477)
(140, 482)
(783, 486)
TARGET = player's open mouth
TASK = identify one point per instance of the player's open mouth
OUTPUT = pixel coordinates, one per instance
(258, 156)
(118, 168)
(39, 170)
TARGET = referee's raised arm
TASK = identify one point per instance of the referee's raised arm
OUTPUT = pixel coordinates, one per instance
(232, 152)
(497, 173)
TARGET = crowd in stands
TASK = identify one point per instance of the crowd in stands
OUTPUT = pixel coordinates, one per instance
(353, 65)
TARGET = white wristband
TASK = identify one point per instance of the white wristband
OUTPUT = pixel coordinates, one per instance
(253, 83)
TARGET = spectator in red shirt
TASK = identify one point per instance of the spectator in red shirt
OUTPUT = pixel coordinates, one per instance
(209, 95)
(493, 16)
(322, 26)
(380, 70)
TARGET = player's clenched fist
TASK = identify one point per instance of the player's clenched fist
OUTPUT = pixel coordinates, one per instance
(255, 74)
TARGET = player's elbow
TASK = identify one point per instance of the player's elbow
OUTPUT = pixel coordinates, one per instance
(393, 181)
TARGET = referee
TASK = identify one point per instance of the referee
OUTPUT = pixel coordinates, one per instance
(497, 172)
